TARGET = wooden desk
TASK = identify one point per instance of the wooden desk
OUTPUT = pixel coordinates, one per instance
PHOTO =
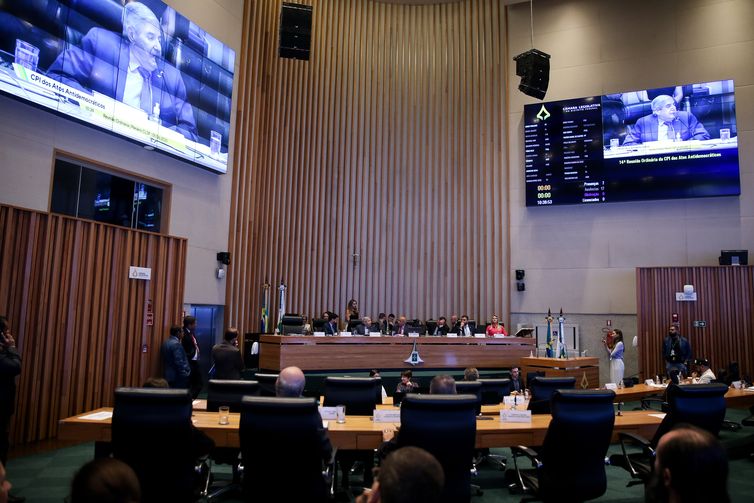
(338, 353)
(565, 367)
(360, 432)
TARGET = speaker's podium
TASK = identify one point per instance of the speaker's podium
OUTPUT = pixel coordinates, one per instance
(586, 369)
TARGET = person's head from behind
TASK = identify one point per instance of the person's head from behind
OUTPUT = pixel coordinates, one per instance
(189, 322)
(142, 29)
(408, 475)
(156, 382)
(470, 374)
(374, 373)
(617, 335)
(231, 336)
(176, 331)
(290, 382)
(105, 480)
(442, 385)
(5, 486)
(406, 376)
(663, 107)
(690, 466)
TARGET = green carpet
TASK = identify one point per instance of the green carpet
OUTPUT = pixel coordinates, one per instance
(46, 477)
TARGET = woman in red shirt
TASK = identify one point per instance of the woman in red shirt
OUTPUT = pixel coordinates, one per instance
(495, 328)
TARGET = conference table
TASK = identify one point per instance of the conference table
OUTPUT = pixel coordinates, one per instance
(361, 432)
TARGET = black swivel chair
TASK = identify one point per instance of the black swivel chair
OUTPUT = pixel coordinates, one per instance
(543, 388)
(445, 426)
(570, 465)
(702, 405)
(225, 392)
(282, 447)
(494, 390)
(471, 388)
(152, 433)
(359, 395)
(266, 383)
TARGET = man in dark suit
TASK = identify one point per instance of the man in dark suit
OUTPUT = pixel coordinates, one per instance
(516, 384)
(331, 323)
(191, 347)
(175, 366)
(227, 357)
(442, 327)
(666, 123)
(366, 326)
(130, 69)
(10, 367)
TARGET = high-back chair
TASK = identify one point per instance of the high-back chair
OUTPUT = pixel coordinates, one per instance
(445, 426)
(570, 464)
(229, 392)
(494, 390)
(543, 388)
(358, 394)
(266, 383)
(283, 446)
(152, 433)
(471, 388)
(702, 405)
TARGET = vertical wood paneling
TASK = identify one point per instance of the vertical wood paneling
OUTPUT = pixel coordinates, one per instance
(78, 320)
(725, 300)
(386, 145)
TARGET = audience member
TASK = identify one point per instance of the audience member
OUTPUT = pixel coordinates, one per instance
(406, 385)
(227, 357)
(175, 365)
(407, 475)
(690, 467)
(442, 384)
(191, 347)
(4, 485)
(105, 480)
(706, 375)
(470, 374)
(10, 367)
(155, 382)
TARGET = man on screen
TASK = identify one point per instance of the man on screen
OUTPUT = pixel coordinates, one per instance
(130, 69)
(666, 123)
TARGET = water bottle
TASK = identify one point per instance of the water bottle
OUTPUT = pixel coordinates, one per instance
(526, 394)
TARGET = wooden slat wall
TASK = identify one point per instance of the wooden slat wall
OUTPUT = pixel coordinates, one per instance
(389, 145)
(725, 300)
(78, 320)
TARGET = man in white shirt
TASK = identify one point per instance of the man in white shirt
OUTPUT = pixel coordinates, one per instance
(706, 374)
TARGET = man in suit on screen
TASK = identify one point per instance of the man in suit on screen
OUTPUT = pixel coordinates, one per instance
(666, 123)
(130, 69)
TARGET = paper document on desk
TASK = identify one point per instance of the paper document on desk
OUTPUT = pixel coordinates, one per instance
(660, 415)
(98, 416)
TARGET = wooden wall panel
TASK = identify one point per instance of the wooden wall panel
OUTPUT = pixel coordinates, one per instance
(78, 320)
(725, 300)
(376, 169)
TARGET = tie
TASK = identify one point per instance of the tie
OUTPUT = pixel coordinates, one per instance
(671, 131)
(146, 90)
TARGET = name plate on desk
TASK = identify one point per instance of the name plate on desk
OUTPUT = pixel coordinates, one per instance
(328, 413)
(374, 334)
(480, 336)
(413, 334)
(387, 415)
(452, 335)
(515, 416)
(611, 385)
(519, 402)
(318, 334)
(345, 334)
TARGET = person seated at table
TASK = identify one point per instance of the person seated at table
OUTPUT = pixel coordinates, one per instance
(666, 123)
(400, 327)
(406, 385)
(442, 327)
(495, 328)
(408, 474)
(376, 373)
(105, 480)
(470, 374)
(365, 326)
(706, 375)
(331, 323)
(464, 328)
(516, 382)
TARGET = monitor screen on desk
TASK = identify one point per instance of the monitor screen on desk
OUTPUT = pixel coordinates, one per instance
(675, 142)
(143, 72)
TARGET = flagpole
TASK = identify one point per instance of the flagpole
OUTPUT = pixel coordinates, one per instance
(264, 322)
(281, 307)
(548, 348)
(562, 352)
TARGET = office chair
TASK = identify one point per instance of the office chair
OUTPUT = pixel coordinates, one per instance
(152, 433)
(494, 390)
(445, 426)
(282, 447)
(266, 383)
(570, 465)
(221, 392)
(531, 375)
(702, 405)
(360, 395)
(543, 388)
(471, 388)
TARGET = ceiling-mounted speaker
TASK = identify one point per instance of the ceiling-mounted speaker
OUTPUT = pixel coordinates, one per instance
(534, 69)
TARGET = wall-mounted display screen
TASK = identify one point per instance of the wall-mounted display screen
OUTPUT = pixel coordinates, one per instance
(666, 143)
(142, 71)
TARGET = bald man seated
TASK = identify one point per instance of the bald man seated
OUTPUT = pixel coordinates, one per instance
(290, 384)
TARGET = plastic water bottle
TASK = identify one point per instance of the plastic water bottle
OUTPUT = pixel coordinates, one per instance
(526, 394)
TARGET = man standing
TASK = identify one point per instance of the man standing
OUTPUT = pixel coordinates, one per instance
(227, 357)
(10, 367)
(174, 363)
(676, 351)
(191, 347)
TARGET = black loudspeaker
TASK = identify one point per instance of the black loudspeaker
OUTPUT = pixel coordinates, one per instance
(534, 69)
(520, 273)
(223, 257)
(295, 31)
